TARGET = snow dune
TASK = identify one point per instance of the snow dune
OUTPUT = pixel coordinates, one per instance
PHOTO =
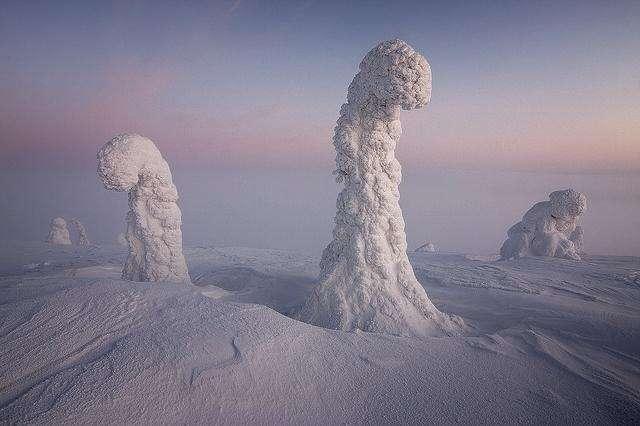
(551, 341)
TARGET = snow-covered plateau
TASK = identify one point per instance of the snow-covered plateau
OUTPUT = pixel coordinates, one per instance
(549, 341)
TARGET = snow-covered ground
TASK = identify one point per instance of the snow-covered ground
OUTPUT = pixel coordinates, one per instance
(552, 341)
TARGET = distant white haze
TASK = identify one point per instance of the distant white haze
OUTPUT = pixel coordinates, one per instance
(462, 211)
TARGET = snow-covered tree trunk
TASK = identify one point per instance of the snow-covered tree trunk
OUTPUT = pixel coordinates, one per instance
(133, 163)
(366, 280)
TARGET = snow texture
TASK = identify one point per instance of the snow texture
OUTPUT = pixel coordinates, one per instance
(122, 240)
(549, 228)
(366, 281)
(554, 342)
(83, 240)
(132, 163)
(58, 232)
(428, 247)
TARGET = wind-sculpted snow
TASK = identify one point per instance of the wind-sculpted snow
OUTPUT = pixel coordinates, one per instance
(58, 232)
(548, 228)
(132, 163)
(83, 239)
(366, 281)
(83, 347)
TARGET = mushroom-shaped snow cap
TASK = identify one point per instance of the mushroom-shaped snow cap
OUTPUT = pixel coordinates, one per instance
(567, 203)
(395, 73)
(126, 157)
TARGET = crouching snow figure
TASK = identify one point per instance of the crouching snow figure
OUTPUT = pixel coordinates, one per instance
(58, 232)
(83, 240)
(132, 163)
(366, 281)
(548, 228)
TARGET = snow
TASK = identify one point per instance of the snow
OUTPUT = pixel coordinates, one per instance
(58, 232)
(549, 228)
(133, 164)
(427, 247)
(550, 341)
(83, 239)
(366, 281)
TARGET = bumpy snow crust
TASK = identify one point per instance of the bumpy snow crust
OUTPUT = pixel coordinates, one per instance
(133, 164)
(549, 228)
(58, 232)
(366, 280)
(83, 240)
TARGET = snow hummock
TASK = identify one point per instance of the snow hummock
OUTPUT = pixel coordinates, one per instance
(132, 163)
(366, 280)
(58, 232)
(549, 228)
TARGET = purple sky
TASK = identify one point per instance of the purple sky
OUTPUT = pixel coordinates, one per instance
(249, 84)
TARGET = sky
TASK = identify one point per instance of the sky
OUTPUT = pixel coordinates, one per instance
(252, 84)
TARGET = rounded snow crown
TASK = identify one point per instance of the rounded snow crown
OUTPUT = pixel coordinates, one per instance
(394, 73)
(567, 203)
(59, 222)
(126, 157)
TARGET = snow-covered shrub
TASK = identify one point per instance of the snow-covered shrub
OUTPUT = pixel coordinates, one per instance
(549, 228)
(58, 232)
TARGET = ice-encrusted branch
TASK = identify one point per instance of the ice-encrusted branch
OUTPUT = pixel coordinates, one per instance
(132, 163)
(366, 280)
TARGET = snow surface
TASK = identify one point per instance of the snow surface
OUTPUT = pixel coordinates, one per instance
(366, 280)
(551, 341)
(133, 164)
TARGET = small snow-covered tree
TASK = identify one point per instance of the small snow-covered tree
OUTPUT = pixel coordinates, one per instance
(366, 280)
(133, 164)
(83, 240)
(549, 228)
(58, 232)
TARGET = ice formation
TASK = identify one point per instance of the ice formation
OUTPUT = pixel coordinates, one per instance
(122, 240)
(428, 247)
(83, 240)
(132, 163)
(58, 232)
(366, 280)
(548, 228)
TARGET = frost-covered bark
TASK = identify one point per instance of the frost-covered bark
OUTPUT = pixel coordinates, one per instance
(428, 247)
(58, 232)
(83, 240)
(366, 281)
(549, 228)
(132, 163)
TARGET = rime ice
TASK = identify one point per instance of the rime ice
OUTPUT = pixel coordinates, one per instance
(58, 232)
(132, 163)
(549, 228)
(366, 281)
(83, 240)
